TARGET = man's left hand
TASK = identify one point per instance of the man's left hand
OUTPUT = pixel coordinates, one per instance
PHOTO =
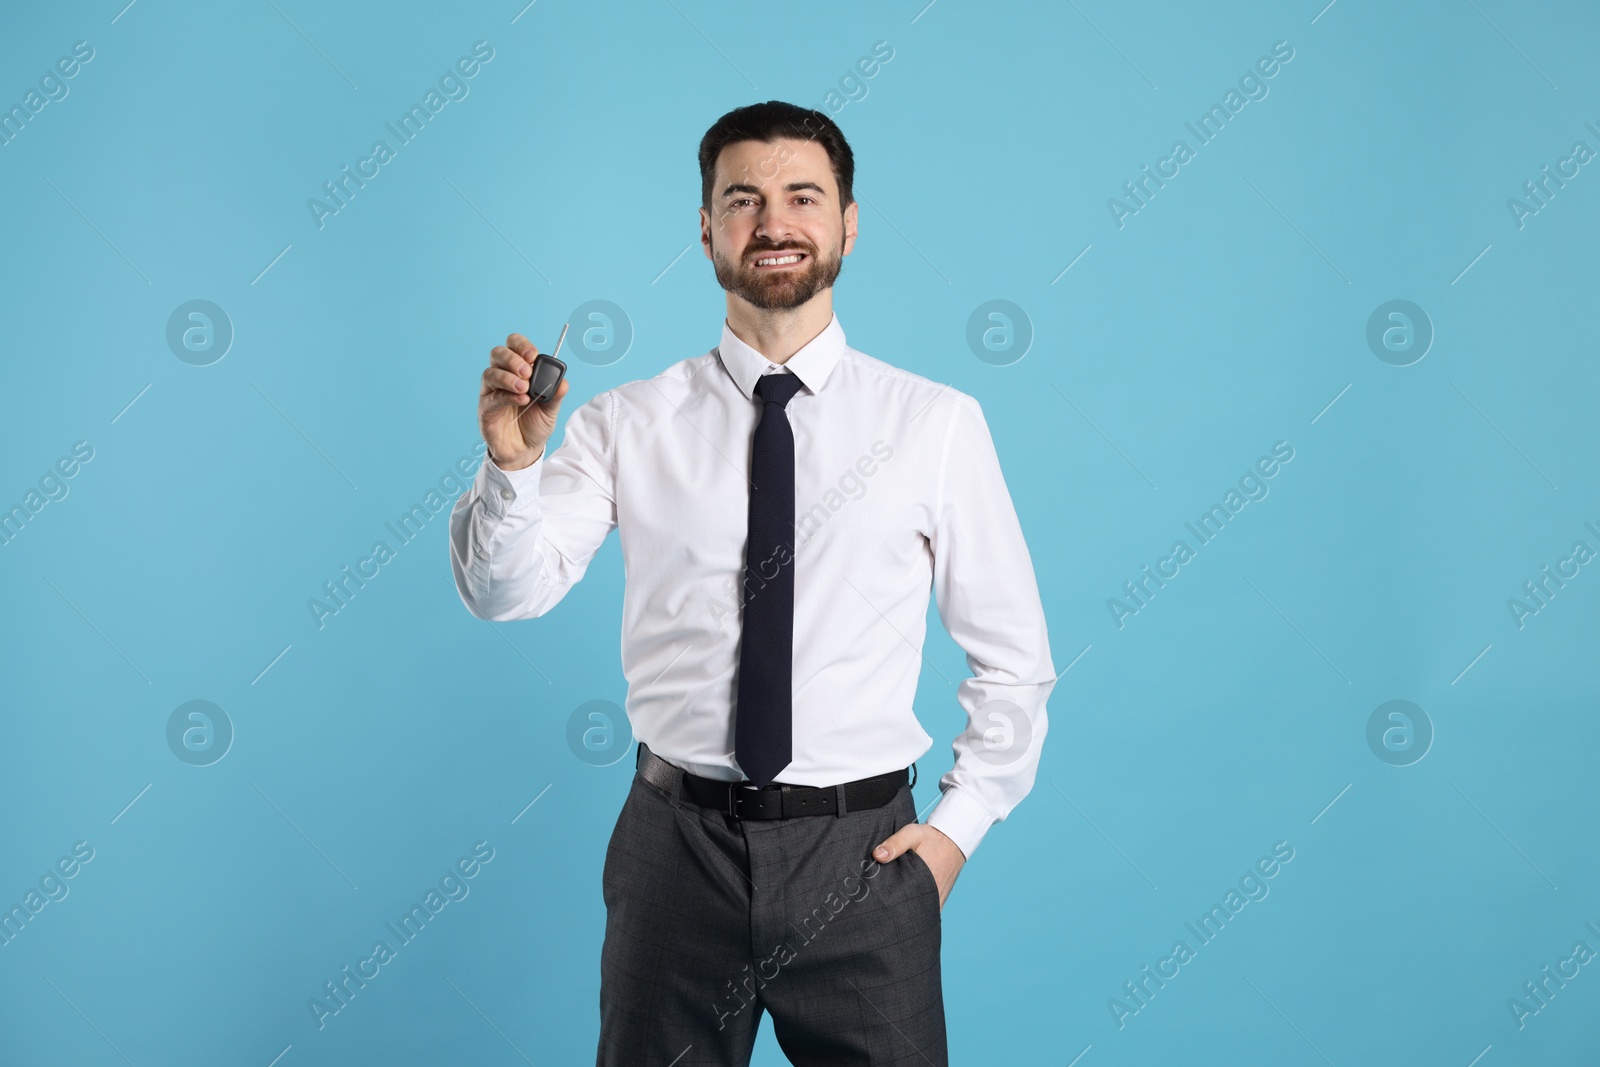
(941, 854)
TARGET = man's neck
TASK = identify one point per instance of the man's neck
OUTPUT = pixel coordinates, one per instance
(779, 334)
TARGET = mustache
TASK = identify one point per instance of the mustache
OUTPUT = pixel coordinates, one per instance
(765, 250)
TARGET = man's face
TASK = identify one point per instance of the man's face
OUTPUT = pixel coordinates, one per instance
(776, 199)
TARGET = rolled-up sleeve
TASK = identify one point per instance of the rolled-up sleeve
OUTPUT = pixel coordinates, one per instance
(520, 539)
(989, 602)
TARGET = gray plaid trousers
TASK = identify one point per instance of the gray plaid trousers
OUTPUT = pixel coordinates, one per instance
(711, 921)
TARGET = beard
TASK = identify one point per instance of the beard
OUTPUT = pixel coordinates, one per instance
(777, 290)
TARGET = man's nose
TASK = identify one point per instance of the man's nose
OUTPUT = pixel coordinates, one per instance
(773, 224)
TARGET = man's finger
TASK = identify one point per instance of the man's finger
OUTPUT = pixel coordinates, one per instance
(502, 357)
(495, 378)
(896, 843)
(522, 346)
(495, 399)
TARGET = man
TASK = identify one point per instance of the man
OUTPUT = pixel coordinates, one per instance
(785, 503)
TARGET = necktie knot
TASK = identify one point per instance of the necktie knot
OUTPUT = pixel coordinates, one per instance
(778, 388)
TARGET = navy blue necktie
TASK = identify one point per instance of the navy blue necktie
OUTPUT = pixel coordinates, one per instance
(763, 716)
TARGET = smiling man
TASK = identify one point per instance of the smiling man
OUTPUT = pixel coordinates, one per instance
(768, 858)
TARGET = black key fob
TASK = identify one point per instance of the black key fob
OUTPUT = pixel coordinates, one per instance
(547, 373)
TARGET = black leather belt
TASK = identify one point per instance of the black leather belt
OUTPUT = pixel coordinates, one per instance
(775, 801)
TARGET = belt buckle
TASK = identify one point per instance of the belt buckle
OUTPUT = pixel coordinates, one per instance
(732, 810)
(733, 794)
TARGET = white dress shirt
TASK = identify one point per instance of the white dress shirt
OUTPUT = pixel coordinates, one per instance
(898, 491)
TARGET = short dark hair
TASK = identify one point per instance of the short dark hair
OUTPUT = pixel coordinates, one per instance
(767, 122)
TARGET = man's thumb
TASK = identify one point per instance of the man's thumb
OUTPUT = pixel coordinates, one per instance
(893, 846)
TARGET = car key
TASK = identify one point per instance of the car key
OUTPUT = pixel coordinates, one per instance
(547, 372)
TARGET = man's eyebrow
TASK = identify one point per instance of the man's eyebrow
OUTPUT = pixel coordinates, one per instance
(792, 187)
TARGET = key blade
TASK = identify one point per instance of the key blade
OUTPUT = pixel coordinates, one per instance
(563, 337)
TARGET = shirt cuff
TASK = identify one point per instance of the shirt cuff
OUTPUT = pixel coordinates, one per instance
(962, 818)
(506, 491)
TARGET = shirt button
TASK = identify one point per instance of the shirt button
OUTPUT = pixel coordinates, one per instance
(483, 553)
(506, 494)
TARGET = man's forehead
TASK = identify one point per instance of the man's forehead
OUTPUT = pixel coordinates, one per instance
(753, 162)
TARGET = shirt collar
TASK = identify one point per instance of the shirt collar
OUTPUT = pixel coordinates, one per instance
(812, 364)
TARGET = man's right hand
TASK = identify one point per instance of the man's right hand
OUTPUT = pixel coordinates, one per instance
(514, 427)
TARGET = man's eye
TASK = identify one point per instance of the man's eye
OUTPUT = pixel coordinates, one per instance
(806, 198)
(741, 200)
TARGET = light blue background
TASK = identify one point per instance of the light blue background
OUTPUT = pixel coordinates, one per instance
(1228, 314)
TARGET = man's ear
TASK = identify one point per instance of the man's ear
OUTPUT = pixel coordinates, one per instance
(851, 214)
(705, 232)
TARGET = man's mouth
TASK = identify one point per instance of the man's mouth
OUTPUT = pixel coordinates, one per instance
(779, 260)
